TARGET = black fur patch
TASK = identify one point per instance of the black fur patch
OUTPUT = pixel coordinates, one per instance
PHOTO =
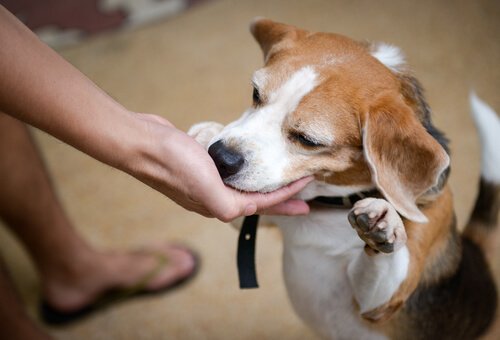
(458, 307)
(413, 93)
(487, 204)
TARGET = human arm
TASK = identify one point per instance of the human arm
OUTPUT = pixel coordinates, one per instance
(40, 88)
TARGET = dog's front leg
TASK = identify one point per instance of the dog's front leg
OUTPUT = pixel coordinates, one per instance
(377, 272)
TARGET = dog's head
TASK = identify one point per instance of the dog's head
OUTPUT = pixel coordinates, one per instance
(341, 110)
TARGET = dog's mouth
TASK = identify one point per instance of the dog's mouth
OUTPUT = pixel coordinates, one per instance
(236, 170)
(237, 184)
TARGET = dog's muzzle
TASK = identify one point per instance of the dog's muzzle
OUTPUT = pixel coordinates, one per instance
(227, 161)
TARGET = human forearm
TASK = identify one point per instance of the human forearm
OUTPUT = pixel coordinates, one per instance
(40, 88)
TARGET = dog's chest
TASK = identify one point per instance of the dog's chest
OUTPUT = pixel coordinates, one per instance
(317, 250)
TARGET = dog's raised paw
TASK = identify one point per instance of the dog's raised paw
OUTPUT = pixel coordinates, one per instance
(204, 132)
(378, 224)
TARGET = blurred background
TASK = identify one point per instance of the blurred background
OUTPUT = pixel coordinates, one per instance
(191, 61)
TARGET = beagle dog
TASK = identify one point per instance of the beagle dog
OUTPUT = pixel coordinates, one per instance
(380, 255)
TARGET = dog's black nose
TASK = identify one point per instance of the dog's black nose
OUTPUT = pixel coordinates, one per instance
(227, 161)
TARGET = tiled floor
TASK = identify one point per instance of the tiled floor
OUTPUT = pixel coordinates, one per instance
(197, 67)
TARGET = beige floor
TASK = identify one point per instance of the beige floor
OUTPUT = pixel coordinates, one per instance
(197, 67)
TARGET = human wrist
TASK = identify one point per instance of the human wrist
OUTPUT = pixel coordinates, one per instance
(113, 138)
(143, 151)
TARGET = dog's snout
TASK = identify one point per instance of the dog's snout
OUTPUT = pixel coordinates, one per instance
(227, 161)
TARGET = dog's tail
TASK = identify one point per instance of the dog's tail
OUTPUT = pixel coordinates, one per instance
(484, 219)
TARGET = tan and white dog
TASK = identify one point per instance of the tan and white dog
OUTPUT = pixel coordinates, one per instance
(351, 114)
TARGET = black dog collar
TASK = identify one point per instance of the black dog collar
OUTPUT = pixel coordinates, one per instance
(246, 252)
(248, 233)
(346, 202)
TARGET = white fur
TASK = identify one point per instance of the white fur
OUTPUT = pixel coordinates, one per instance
(259, 78)
(376, 278)
(258, 136)
(389, 55)
(488, 125)
(204, 132)
(325, 269)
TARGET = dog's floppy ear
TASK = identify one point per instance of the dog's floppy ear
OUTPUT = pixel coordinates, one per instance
(404, 159)
(268, 33)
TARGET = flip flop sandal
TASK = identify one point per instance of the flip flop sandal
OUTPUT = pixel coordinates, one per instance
(54, 317)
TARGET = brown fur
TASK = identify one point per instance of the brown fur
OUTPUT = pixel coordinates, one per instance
(398, 146)
(383, 133)
(425, 243)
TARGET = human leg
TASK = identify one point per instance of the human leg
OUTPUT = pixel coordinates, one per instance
(72, 273)
(14, 322)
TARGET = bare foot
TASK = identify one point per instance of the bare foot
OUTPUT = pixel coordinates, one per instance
(75, 288)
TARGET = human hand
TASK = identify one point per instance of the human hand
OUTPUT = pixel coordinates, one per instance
(179, 167)
(61, 101)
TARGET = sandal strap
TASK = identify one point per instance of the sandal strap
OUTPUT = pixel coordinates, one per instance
(124, 293)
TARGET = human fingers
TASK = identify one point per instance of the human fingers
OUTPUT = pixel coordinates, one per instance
(255, 202)
(290, 207)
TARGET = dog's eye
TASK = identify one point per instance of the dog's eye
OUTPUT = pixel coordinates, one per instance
(256, 97)
(304, 140)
